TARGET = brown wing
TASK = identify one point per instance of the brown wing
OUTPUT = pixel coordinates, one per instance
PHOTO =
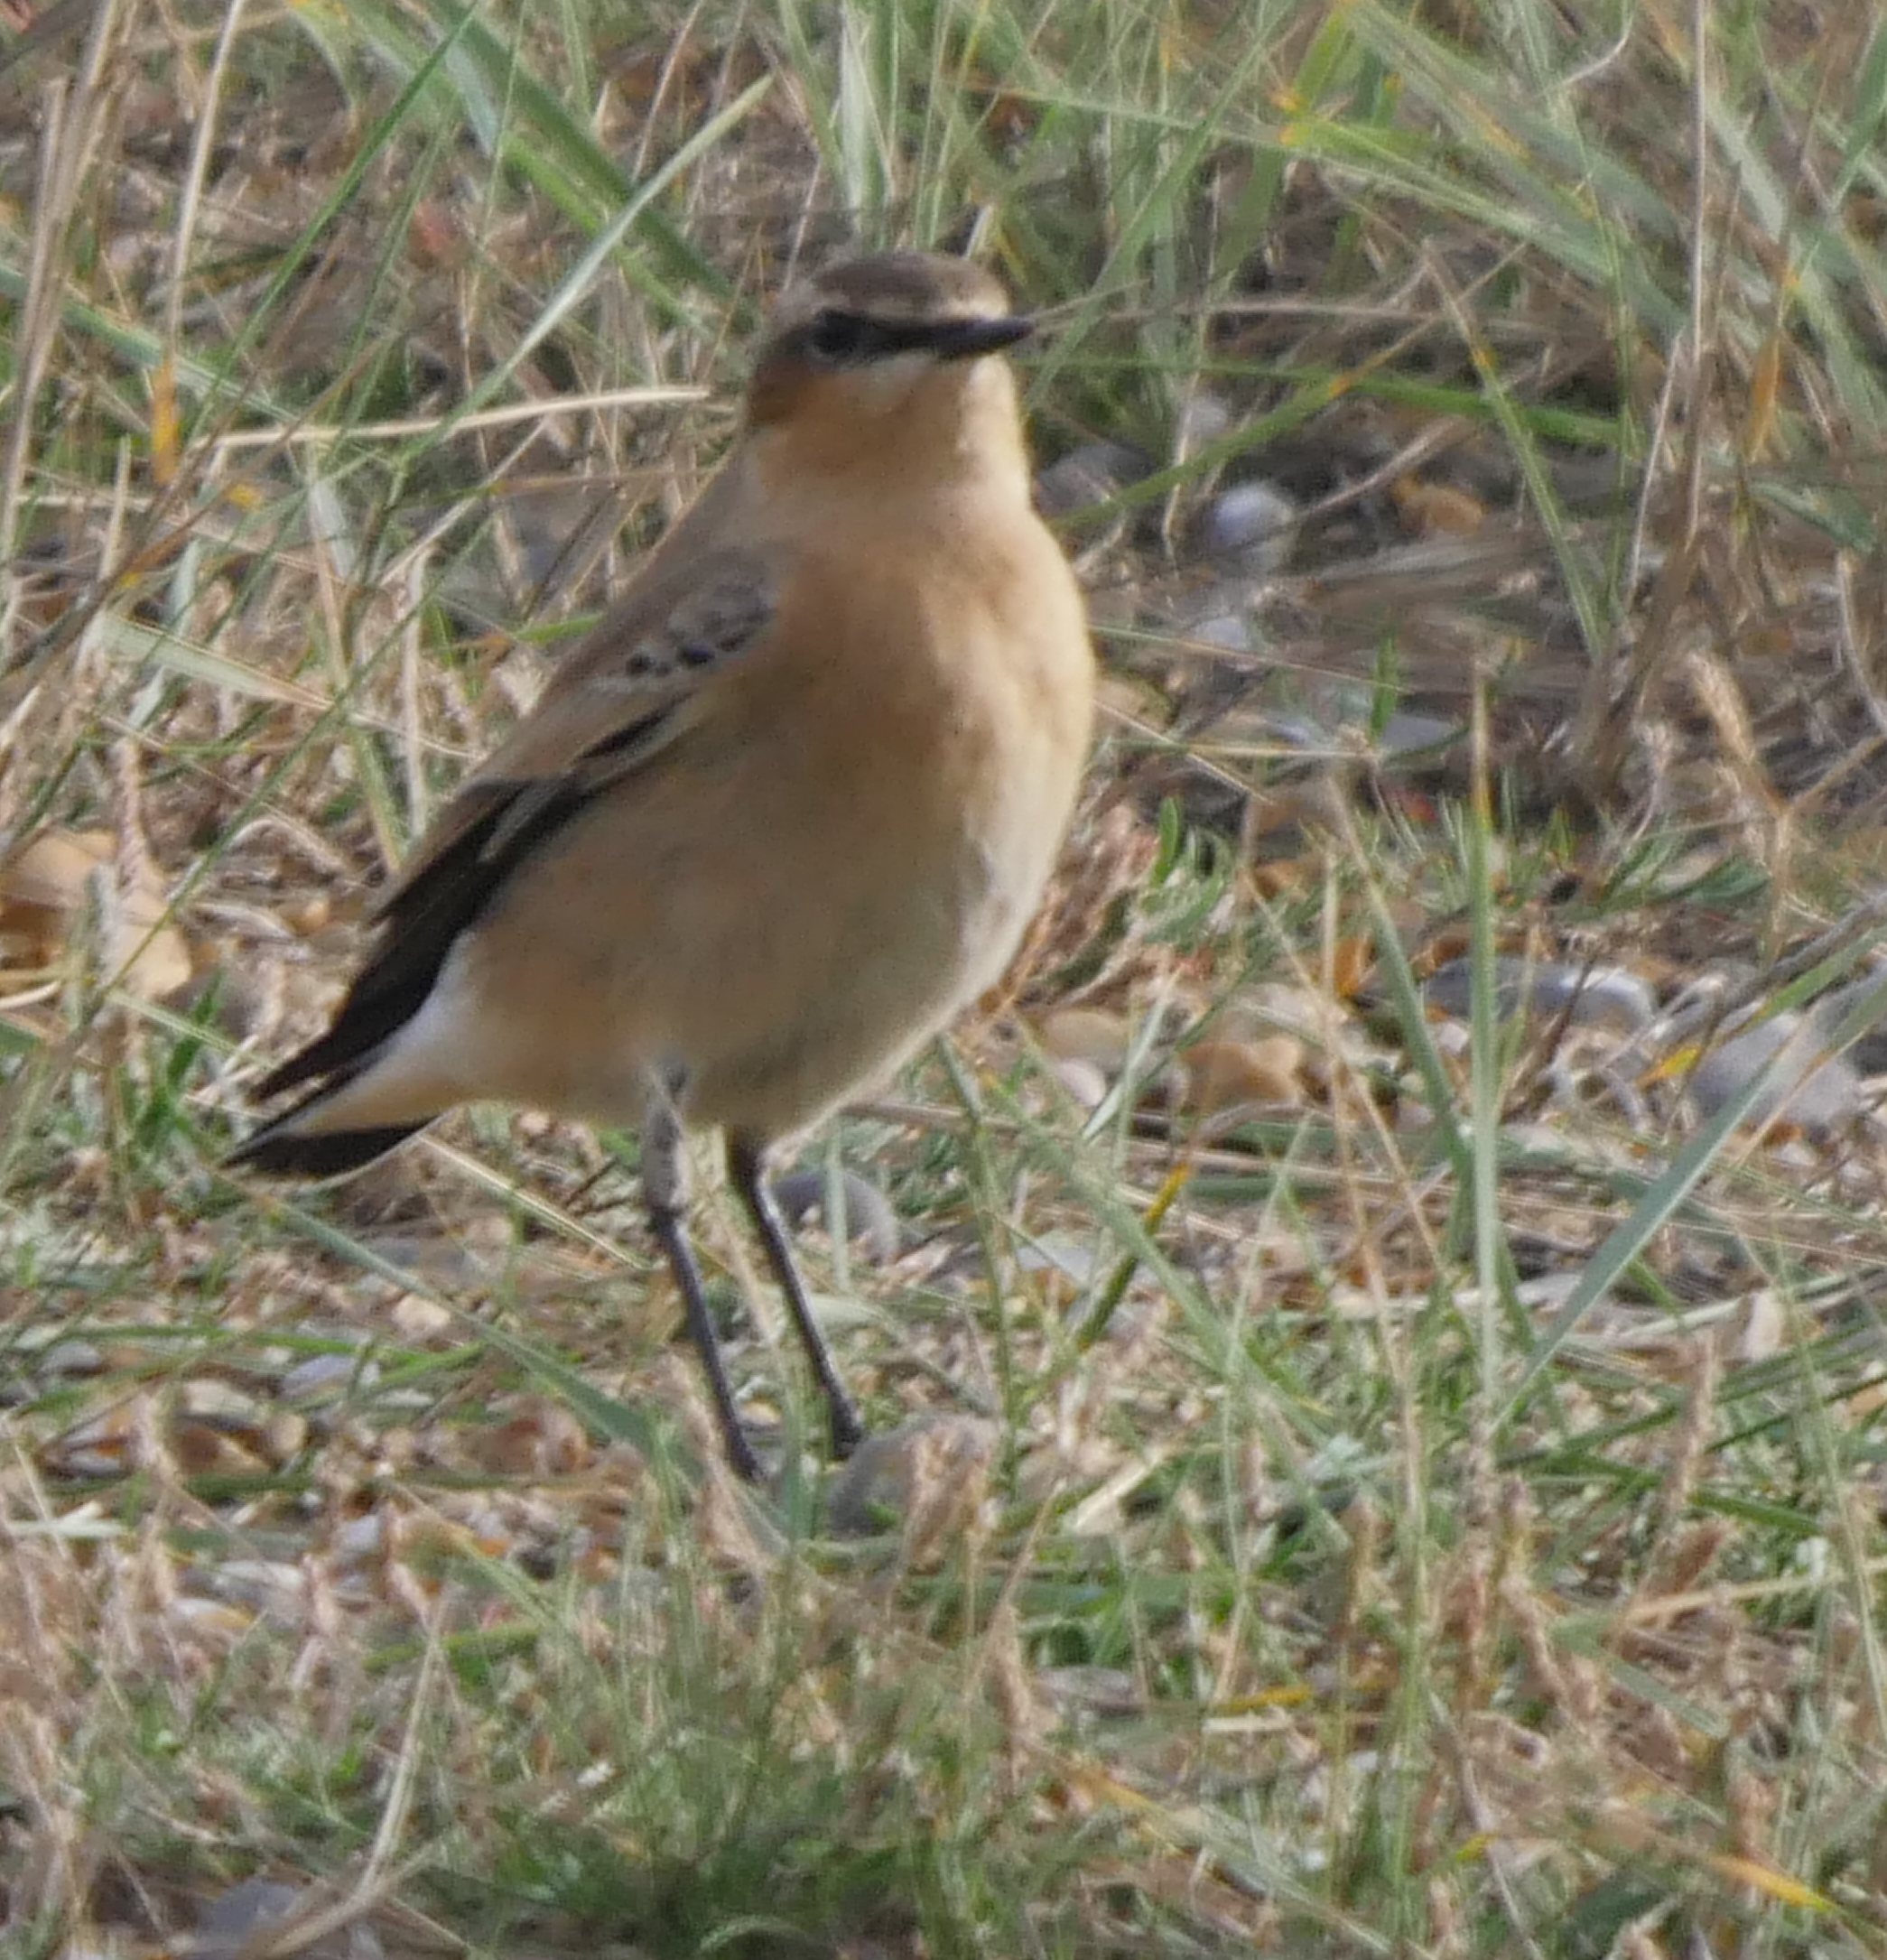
(635, 684)
(694, 603)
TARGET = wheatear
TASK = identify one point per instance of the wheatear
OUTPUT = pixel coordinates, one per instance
(782, 813)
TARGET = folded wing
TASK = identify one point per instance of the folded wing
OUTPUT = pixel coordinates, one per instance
(639, 680)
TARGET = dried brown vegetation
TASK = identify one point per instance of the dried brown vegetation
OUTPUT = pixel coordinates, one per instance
(1381, 1402)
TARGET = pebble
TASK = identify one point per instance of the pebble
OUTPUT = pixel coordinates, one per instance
(1818, 1091)
(1091, 474)
(1605, 996)
(1254, 523)
(1230, 630)
(931, 1475)
(871, 1221)
(1869, 1052)
(243, 1916)
(72, 1358)
(327, 1374)
(1086, 1084)
(1412, 734)
(1091, 1034)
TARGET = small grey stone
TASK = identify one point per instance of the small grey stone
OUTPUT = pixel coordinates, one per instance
(245, 1911)
(874, 1489)
(1087, 1689)
(71, 1357)
(1085, 1085)
(1090, 474)
(326, 1374)
(1819, 1091)
(1869, 1052)
(1604, 996)
(1203, 419)
(1254, 523)
(869, 1216)
(1410, 734)
(1231, 630)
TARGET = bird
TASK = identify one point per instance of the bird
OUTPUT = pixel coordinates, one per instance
(781, 814)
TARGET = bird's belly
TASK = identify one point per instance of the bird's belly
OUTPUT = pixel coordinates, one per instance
(869, 985)
(772, 981)
(782, 923)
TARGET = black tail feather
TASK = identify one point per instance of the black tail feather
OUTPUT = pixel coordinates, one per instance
(319, 1156)
(281, 1150)
(424, 920)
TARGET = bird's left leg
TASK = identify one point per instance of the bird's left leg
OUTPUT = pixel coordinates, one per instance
(747, 1164)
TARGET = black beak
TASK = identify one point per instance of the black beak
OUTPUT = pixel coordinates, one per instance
(964, 340)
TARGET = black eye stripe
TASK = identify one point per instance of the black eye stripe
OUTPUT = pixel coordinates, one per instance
(834, 337)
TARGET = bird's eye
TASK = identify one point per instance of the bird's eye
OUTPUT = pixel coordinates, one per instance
(833, 339)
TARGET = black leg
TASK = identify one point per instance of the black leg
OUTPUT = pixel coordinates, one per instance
(664, 1193)
(746, 1160)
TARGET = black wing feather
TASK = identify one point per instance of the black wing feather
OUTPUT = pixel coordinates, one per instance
(724, 608)
(422, 921)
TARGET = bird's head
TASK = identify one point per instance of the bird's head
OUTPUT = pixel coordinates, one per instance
(878, 355)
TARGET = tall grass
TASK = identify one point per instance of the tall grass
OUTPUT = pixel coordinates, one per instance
(1439, 1515)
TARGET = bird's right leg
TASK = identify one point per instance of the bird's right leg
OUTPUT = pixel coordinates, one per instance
(664, 1193)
